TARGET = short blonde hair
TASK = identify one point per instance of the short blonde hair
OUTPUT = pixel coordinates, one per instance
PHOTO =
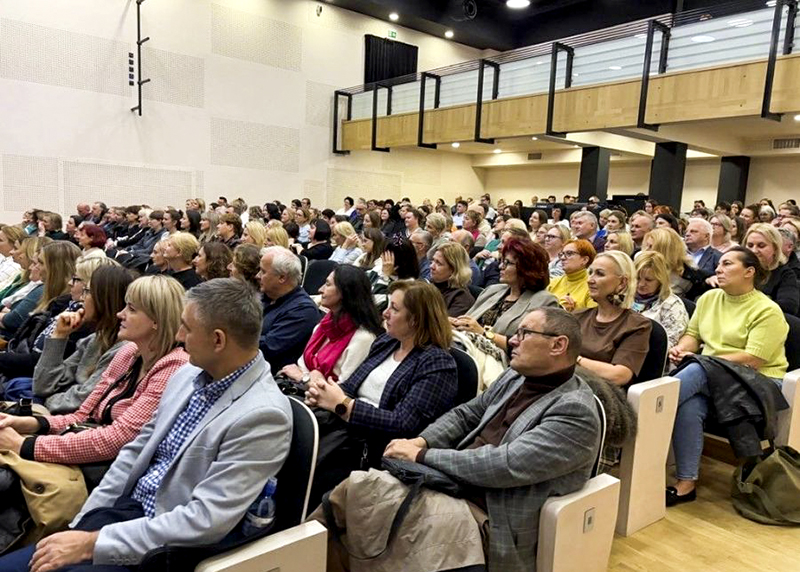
(278, 236)
(672, 248)
(186, 245)
(344, 229)
(771, 235)
(625, 269)
(624, 239)
(438, 222)
(161, 298)
(258, 232)
(456, 258)
(86, 267)
(655, 263)
(515, 223)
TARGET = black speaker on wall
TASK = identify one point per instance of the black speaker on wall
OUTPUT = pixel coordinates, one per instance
(385, 59)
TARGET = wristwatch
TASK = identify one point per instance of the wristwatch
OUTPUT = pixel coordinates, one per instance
(341, 409)
(488, 333)
(306, 378)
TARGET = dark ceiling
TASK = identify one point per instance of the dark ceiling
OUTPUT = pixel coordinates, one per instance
(498, 27)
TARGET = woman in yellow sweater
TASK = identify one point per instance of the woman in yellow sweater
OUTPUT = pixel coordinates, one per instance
(572, 289)
(735, 322)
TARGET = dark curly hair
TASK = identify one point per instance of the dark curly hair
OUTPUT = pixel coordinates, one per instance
(247, 260)
(532, 263)
(218, 256)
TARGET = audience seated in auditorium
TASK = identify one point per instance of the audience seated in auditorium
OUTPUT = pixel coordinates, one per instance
(342, 339)
(319, 246)
(245, 264)
(64, 381)
(20, 298)
(721, 234)
(290, 314)
(654, 298)
(346, 240)
(92, 240)
(407, 381)
(734, 322)
(789, 247)
(572, 289)
(619, 240)
(373, 243)
(533, 434)
(212, 261)
(450, 273)
(255, 233)
(640, 224)
(584, 226)
(615, 338)
(229, 230)
(9, 269)
(158, 263)
(421, 241)
(150, 496)
(781, 286)
(179, 251)
(208, 227)
(685, 278)
(398, 262)
(554, 237)
(128, 394)
(465, 239)
(698, 237)
(439, 227)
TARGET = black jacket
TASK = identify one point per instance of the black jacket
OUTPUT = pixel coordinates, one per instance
(783, 289)
(745, 403)
(321, 251)
(793, 264)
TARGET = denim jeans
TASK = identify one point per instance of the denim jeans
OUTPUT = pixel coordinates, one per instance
(687, 435)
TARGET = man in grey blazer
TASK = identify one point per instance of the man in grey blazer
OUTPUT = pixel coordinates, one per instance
(533, 434)
(222, 429)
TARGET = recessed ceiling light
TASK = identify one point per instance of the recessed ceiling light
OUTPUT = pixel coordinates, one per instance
(576, 146)
(797, 117)
(702, 39)
(535, 138)
(448, 34)
(574, 75)
(518, 4)
(615, 67)
(641, 36)
(456, 145)
(497, 151)
(394, 16)
(771, 3)
(538, 63)
(740, 22)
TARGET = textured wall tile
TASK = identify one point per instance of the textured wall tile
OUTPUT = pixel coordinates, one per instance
(254, 145)
(30, 182)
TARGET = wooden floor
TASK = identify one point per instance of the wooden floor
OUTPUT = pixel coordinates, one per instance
(708, 536)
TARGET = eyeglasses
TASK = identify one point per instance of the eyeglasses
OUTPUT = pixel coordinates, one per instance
(507, 262)
(75, 280)
(86, 292)
(551, 237)
(563, 255)
(522, 332)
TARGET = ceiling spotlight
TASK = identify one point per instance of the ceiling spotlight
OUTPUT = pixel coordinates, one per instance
(455, 145)
(615, 67)
(448, 34)
(538, 63)
(771, 3)
(394, 16)
(797, 117)
(496, 151)
(702, 39)
(534, 138)
(518, 4)
(576, 146)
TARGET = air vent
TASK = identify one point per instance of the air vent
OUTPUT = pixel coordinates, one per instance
(786, 143)
(534, 156)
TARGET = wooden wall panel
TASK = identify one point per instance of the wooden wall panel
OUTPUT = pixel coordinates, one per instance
(733, 90)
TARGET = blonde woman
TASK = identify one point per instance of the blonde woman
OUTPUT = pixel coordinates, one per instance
(276, 236)
(721, 232)
(654, 298)
(615, 338)
(208, 226)
(451, 274)
(346, 241)
(179, 252)
(437, 225)
(619, 240)
(255, 233)
(555, 237)
(766, 243)
(684, 276)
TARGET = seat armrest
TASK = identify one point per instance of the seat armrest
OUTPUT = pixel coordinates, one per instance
(789, 419)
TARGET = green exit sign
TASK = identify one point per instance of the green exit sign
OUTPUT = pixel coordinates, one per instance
(392, 34)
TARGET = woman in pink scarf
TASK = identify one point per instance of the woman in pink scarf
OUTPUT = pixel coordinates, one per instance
(341, 341)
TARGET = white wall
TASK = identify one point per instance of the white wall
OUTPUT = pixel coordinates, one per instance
(777, 178)
(239, 104)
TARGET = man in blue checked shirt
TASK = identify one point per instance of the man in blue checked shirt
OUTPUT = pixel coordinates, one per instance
(222, 429)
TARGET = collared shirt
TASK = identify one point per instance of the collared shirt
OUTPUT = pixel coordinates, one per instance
(698, 254)
(205, 395)
(286, 328)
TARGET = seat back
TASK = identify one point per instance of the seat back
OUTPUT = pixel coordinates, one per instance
(316, 273)
(656, 359)
(297, 474)
(793, 342)
(303, 267)
(475, 291)
(689, 305)
(602, 413)
(467, 371)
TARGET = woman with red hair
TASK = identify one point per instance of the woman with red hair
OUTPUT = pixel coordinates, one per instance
(572, 289)
(92, 240)
(498, 311)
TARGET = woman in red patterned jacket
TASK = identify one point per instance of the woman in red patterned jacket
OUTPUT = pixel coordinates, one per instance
(128, 393)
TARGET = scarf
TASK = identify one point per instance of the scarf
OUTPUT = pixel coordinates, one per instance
(327, 344)
(644, 303)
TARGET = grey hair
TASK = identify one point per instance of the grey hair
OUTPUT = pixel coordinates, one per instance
(424, 235)
(560, 322)
(230, 305)
(585, 214)
(707, 228)
(788, 236)
(285, 263)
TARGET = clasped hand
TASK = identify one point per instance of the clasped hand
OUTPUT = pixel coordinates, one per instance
(323, 393)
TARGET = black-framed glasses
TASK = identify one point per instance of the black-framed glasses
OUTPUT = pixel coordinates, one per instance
(507, 262)
(75, 280)
(522, 332)
(563, 255)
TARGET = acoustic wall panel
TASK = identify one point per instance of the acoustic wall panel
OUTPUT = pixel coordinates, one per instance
(56, 57)
(246, 36)
(254, 145)
(30, 182)
(418, 167)
(119, 184)
(319, 104)
(314, 190)
(176, 78)
(344, 182)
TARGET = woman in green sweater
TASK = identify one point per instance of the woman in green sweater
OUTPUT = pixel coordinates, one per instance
(735, 322)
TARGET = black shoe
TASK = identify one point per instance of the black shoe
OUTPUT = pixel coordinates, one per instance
(674, 498)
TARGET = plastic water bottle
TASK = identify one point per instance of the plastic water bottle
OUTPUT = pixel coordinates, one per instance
(261, 513)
